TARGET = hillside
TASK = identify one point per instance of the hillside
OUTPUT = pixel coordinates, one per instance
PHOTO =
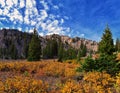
(14, 43)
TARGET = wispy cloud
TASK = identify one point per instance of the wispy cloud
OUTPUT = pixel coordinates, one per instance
(48, 23)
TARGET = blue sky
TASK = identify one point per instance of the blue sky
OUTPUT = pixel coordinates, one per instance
(82, 18)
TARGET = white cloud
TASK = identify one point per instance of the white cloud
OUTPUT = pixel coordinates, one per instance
(19, 28)
(55, 7)
(22, 3)
(43, 26)
(15, 15)
(7, 27)
(41, 34)
(26, 20)
(43, 15)
(15, 2)
(1, 11)
(62, 21)
(33, 22)
(51, 16)
(67, 18)
(5, 11)
(55, 23)
(2, 3)
(49, 23)
(31, 31)
(31, 13)
(67, 29)
(9, 3)
(44, 5)
(82, 35)
(2, 18)
(30, 3)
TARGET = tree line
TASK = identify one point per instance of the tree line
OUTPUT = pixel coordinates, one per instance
(31, 49)
(53, 49)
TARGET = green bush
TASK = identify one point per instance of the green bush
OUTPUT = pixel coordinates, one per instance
(105, 63)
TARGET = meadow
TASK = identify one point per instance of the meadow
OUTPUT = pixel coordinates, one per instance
(49, 76)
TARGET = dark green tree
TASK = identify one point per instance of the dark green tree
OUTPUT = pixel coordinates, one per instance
(51, 49)
(84, 51)
(47, 52)
(34, 51)
(106, 45)
(54, 47)
(117, 46)
(79, 55)
(105, 63)
(70, 54)
(61, 52)
(26, 45)
(13, 51)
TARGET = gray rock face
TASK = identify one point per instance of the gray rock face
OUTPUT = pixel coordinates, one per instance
(11, 38)
(75, 42)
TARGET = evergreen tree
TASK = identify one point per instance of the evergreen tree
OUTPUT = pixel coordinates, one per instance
(79, 55)
(70, 54)
(106, 45)
(13, 51)
(51, 49)
(48, 50)
(60, 52)
(34, 51)
(26, 46)
(117, 47)
(54, 47)
(84, 51)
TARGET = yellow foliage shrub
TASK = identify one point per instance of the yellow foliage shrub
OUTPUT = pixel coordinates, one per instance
(98, 82)
(23, 85)
(37, 77)
(72, 86)
(117, 85)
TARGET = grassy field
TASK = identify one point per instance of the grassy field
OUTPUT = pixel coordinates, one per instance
(50, 76)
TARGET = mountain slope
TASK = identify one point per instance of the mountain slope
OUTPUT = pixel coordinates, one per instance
(14, 43)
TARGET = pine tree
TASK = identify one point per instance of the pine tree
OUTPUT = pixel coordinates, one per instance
(106, 45)
(13, 51)
(79, 55)
(83, 49)
(34, 51)
(26, 45)
(54, 47)
(60, 52)
(71, 53)
(51, 49)
(117, 46)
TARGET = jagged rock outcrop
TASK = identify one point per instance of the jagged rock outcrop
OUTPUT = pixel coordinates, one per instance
(75, 42)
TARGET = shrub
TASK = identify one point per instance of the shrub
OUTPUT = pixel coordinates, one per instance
(117, 85)
(103, 63)
(20, 84)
